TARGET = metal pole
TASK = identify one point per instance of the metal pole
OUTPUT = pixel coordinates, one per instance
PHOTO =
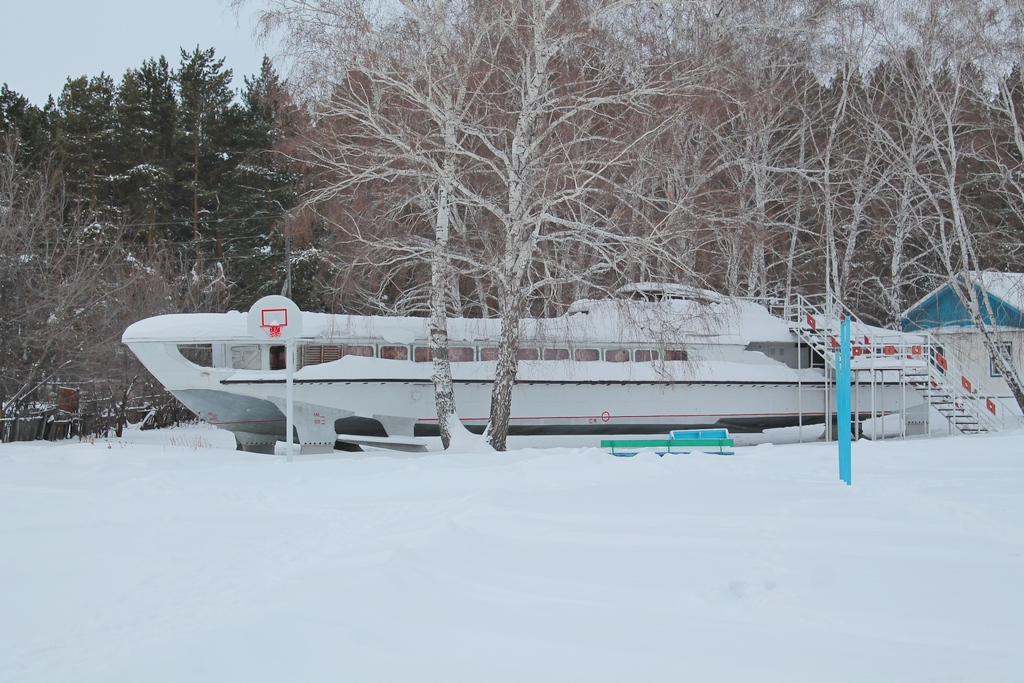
(874, 409)
(828, 395)
(286, 290)
(799, 386)
(856, 403)
(288, 396)
(843, 403)
(903, 392)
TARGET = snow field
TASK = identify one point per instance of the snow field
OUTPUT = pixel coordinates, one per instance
(168, 556)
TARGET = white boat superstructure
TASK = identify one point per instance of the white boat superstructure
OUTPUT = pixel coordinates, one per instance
(658, 357)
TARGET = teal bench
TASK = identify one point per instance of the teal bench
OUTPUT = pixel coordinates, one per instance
(714, 441)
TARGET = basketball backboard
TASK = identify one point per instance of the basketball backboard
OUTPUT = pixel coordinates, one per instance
(275, 317)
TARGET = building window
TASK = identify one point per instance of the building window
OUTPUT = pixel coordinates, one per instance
(646, 356)
(675, 354)
(587, 354)
(556, 354)
(993, 370)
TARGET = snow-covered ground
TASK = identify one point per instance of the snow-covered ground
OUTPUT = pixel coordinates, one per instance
(168, 556)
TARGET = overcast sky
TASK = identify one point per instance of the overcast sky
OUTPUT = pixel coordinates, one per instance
(45, 41)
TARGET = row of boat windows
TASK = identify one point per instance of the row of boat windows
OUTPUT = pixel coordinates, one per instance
(247, 357)
(313, 355)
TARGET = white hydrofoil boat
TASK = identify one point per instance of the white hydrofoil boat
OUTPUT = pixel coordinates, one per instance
(654, 358)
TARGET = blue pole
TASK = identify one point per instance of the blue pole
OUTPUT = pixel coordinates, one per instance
(843, 402)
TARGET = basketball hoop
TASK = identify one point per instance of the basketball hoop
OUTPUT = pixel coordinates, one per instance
(273, 320)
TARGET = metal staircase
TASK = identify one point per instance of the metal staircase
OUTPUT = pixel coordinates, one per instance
(914, 359)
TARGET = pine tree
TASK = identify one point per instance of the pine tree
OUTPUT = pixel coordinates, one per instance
(31, 126)
(261, 190)
(12, 108)
(207, 118)
(87, 143)
(147, 118)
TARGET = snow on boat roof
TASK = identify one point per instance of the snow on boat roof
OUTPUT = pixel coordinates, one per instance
(661, 291)
(232, 326)
(197, 326)
(720, 321)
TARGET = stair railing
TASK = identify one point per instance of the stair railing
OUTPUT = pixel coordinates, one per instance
(913, 355)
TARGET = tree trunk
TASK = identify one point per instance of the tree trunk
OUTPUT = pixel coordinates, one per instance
(440, 279)
(195, 202)
(505, 372)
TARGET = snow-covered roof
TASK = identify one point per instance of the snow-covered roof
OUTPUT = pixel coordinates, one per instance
(204, 327)
(665, 291)
(942, 308)
(1007, 286)
(672, 320)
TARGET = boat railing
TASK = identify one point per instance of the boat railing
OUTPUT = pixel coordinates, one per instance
(918, 358)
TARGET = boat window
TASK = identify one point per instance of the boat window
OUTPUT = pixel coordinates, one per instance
(675, 354)
(587, 354)
(198, 354)
(331, 352)
(394, 352)
(528, 354)
(646, 355)
(366, 351)
(278, 358)
(456, 354)
(489, 353)
(314, 354)
(556, 354)
(617, 355)
(245, 357)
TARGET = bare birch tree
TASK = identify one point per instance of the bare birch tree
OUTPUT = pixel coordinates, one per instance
(949, 125)
(507, 110)
(67, 292)
(555, 155)
(395, 84)
(507, 157)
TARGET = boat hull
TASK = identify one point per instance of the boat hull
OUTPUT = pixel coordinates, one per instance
(395, 407)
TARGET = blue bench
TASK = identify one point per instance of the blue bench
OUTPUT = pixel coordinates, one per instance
(713, 441)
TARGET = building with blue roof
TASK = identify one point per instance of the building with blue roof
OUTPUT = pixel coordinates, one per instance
(942, 314)
(942, 308)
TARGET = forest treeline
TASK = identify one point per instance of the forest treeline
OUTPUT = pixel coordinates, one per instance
(185, 165)
(505, 158)
(164, 192)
